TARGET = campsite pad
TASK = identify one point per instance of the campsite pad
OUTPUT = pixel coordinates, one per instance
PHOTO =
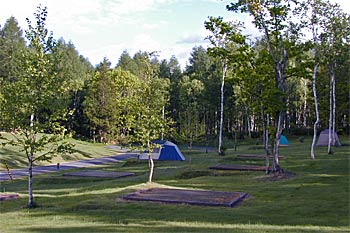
(256, 156)
(100, 174)
(4, 197)
(239, 167)
(182, 196)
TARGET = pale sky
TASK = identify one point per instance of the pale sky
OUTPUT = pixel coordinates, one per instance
(104, 28)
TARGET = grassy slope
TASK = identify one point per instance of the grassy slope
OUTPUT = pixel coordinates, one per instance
(83, 150)
(315, 200)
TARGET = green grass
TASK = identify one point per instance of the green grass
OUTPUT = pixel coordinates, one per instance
(316, 199)
(83, 150)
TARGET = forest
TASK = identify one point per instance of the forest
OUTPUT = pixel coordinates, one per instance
(294, 79)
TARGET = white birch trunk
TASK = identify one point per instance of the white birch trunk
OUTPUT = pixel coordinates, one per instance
(30, 170)
(305, 107)
(151, 169)
(317, 112)
(30, 182)
(266, 140)
(276, 166)
(314, 78)
(248, 121)
(334, 110)
(224, 69)
(163, 118)
(150, 162)
(330, 130)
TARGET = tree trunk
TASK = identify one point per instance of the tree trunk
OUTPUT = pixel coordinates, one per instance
(334, 110)
(266, 140)
(281, 85)
(163, 118)
(305, 108)
(30, 169)
(330, 112)
(276, 167)
(151, 169)
(248, 122)
(317, 113)
(30, 182)
(224, 69)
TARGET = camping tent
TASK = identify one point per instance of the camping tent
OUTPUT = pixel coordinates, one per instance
(324, 137)
(284, 141)
(167, 151)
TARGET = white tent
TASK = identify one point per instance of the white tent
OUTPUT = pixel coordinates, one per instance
(324, 137)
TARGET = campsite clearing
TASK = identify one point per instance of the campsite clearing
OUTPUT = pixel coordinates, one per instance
(314, 200)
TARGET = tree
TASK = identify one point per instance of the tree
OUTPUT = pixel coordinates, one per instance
(70, 67)
(311, 13)
(126, 63)
(330, 35)
(12, 45)
(206, 69)
(257, 90)
(31, 106)
(334, 39)
(150, 122)
(227, 42)
(191, 126)
(110, 104)
(172, 71)
(272, 18)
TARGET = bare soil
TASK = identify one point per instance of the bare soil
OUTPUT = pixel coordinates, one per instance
(239, 167)
(102, 174)
(192, 197)
(5, 197)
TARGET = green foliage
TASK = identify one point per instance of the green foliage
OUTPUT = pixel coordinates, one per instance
(12, 45)
(150, 122)
(110, 103)
(228, 43)
(191, 126)
(33, 104)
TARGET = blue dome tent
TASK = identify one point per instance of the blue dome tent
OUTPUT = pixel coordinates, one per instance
(167, 151)
(283, 141)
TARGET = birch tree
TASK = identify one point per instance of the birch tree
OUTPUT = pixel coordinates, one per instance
(228, 45)
(311, 12)
(149, 121)
(333, 40)
(259, 92)
(31, 106)
(273, 18)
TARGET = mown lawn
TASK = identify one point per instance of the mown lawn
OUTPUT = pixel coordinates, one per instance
(315, 198)
(82, 150)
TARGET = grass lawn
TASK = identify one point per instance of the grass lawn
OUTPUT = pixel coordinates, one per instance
(314, 199)
(83, 150)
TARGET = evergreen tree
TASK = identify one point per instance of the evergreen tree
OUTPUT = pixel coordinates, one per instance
(12, 46)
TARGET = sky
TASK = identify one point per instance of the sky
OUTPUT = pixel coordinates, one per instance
(105, 28)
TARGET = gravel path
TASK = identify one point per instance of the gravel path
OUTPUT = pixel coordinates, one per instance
(38, 170)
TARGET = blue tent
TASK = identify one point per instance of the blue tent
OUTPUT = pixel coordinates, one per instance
(167, 151)
(283, 140)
